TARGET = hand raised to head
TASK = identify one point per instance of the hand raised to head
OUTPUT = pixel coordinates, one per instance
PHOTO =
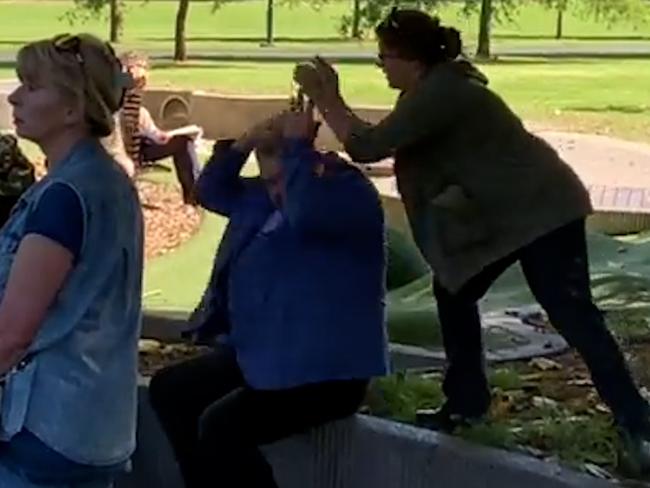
(258, 132)
(300, 125)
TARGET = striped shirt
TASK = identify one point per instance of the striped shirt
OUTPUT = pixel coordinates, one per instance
(130, 122)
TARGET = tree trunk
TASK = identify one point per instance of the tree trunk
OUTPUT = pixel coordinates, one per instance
(269, 22)
(356, 20)
(483, 50)
(559, 24)
(116, 20)
(180, 48)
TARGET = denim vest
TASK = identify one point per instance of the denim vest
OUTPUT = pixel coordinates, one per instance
(77, 393)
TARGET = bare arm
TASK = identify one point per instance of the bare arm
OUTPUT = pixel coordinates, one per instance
(148, 127)
(38, 272)
(416, 115)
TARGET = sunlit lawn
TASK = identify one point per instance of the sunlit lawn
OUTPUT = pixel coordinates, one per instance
(241, 25)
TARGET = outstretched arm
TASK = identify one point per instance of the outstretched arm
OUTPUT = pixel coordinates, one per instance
(418, 113)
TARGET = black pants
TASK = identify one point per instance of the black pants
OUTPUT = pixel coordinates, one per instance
(557, 271)
(181, 149)
(215, 422)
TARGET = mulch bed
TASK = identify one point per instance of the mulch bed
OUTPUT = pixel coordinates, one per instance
(168, 221)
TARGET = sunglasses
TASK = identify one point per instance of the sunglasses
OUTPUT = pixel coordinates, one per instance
(381, 57)
(392, 20)
(67, 43)
(71, 44)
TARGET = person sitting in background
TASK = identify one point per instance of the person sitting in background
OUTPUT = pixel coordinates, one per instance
(297, 297)
(70, 278)
(16, 174)
(145, 142)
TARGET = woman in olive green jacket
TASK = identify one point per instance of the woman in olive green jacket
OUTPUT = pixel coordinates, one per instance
(481, 193)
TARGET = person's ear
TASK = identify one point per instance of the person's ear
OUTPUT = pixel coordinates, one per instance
(73, 113)
(317, 126)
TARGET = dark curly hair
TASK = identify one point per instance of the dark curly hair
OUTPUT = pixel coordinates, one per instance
(418, 36)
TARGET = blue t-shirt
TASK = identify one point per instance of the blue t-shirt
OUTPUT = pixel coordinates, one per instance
(59, 216)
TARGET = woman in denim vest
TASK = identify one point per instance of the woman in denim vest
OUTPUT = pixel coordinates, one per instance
(70, 277)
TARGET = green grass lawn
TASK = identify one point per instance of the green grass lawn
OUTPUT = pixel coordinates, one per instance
(572, 94)
(241, 25)
(600, 96)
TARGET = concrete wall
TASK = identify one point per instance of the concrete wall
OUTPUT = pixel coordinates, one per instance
(226, 116)
(365, 452)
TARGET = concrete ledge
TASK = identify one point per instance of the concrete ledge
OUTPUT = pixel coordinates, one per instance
(365, 451)
(227, 116)
(618, 222)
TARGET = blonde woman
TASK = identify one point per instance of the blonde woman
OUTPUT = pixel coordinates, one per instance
(70, 278)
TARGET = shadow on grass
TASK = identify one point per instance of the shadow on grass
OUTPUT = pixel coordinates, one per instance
(255, 39)
(208, 64)
(228, 60)
(200, 60)
(526, 59)
(368, 57)
(622, 109)
(551, 37)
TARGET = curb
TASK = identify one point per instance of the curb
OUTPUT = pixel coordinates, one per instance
(369, 57)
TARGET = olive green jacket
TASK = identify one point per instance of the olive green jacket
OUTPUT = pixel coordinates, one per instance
(475, 183)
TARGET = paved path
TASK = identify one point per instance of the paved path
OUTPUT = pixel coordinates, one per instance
(628, 50)
(616, 172)
(602, 49)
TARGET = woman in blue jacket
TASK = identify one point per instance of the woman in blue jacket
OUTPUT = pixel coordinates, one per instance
(297, 297)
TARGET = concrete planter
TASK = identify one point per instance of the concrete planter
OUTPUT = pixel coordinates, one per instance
(228, 116)
(364, 452)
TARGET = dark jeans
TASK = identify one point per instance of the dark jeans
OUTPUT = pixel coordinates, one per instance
(216, 422)
(186, 163)
(557, 271)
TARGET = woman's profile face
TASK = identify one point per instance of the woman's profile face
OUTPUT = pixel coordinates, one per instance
(401, 74)
(40, 111)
